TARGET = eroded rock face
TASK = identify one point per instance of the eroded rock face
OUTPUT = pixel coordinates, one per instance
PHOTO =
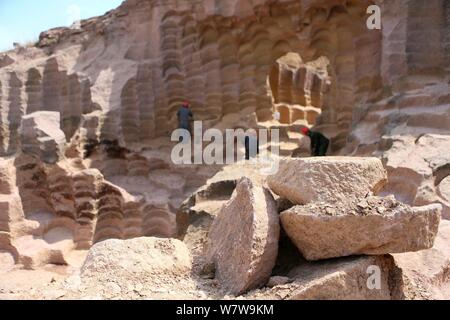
(373, 227)
(419, 170)
(330, 179)
(243, 240)
(42, 137)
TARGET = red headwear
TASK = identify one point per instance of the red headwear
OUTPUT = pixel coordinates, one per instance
(305, 131)
(186, 104)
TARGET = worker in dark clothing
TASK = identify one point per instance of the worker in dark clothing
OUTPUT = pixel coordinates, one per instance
(185, 116)
(319, 143)
(251, 145)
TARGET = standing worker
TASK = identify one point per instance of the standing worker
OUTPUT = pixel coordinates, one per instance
(319, 143)
(185, 116)
(251, 145)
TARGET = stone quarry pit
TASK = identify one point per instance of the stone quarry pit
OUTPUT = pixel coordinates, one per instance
(93, 207)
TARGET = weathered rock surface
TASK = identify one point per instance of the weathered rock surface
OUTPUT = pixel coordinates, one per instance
(426, 274)
(330, 179)
(277, 281)
(243, 240)
(373, 226)
(42, 137)
(338, 279)
(150, 261)
(205, 203)
(5, 60)
(419, 169)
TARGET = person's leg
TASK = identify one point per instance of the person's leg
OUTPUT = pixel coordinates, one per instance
(183, 126)
(247, 148)
(323, 149)
(317, 151)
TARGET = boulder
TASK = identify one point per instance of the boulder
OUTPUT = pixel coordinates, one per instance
(372, 226)
(350, 278)
(142, 260)
(42, 137)
(243, 240)
(330, 179)
(197, 213)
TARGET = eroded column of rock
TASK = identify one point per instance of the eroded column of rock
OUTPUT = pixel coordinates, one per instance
(34, 91)
(11, 212)
(85, 187)
(110, 213)
(41, 88)
(11, 107)
(158, 221)
(297, 89)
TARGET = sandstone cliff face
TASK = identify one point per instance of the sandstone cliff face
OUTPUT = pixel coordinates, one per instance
(137, 63)
(118, 80)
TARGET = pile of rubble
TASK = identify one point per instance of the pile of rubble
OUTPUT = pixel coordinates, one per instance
(342, 237)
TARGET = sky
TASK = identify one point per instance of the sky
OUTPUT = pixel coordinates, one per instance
(23, 20)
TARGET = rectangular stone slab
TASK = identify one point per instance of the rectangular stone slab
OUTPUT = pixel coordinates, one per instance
(320, 236)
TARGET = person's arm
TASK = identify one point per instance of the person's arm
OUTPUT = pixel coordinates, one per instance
(191, 115)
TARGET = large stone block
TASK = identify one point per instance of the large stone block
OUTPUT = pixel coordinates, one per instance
(374, 226)
(350, 278)
(328, 179)
(243, 240)
(137, 260)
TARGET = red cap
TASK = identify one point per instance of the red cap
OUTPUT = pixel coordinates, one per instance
(305, 131)
(186, 104)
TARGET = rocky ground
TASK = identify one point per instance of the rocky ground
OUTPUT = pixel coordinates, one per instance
(218, 259)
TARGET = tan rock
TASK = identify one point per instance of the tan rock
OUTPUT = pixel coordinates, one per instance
(351, 278)
(425, 273)
(327, 179)
(418, 170)
(277, 281)
(243, 240)
(5, 60)
(197, 213)
(357, 230)
(140, 260)
(42, 136)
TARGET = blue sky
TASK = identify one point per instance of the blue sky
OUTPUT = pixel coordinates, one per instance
(23, 20)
